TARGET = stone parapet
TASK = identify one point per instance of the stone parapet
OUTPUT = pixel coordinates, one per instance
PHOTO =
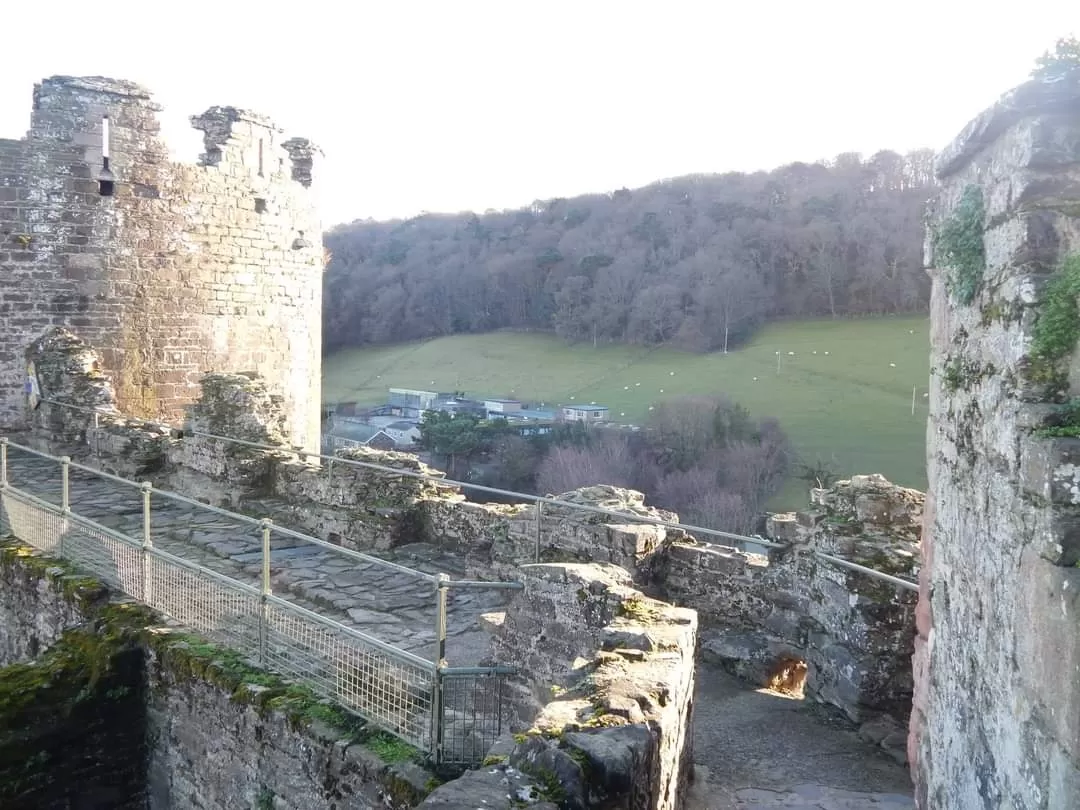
(604, 697)
(996, 719)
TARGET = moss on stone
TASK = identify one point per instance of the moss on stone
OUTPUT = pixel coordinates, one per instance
(959, 245)
(1063, 422)
(1057, 327)
(185, 655)
(548, 784)
(70, 670)
(85, 592)
(961, 374)
(390, 749)
(999, 311)
(639, 610)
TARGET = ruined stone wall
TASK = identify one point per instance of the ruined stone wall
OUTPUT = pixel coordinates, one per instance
(996, 721)
(41, 602)
(604, 697)
(71, 699)
(856, 633)
(182, 271)
(215, 748)
(116, 710)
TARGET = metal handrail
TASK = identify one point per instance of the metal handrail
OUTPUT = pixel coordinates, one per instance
(539, 499)
(437, 668)
(113, 534)
(898, 581)
(241, 518)
(451, 483)
(524, 496)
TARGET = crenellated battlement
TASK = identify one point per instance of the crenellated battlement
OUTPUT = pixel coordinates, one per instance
(174, 270)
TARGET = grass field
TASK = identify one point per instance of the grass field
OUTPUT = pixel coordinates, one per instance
(843, 392)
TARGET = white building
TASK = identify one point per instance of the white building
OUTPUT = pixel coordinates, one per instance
(501, 407)
(585, 413)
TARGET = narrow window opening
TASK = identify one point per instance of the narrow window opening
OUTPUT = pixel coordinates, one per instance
(260, 205)
(106, 180)
(260, 157)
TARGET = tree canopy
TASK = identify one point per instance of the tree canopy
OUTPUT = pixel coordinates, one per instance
(687, 262)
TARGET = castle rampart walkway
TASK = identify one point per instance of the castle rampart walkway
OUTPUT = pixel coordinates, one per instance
(287, 601)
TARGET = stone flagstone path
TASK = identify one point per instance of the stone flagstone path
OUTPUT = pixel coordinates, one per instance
(390, 605)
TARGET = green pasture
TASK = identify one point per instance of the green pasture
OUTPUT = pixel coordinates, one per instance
(842, 389)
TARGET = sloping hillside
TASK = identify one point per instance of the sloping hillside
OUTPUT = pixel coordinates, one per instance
(689, 262)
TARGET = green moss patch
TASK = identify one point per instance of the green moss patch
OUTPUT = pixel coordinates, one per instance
(961, 374)
(85, 592)
(1064, 422)
(80, 658)
(72, 720)
(959, 246)
(1057, 328)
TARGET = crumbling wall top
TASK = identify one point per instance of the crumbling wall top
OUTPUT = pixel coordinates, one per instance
(96, 84)
(1033, 98)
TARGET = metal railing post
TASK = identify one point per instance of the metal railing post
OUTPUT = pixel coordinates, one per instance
(437, 720)
(264, 613)
(147, 543)
(65, 500)
(65, 483)
(539, 522)
(3, 461)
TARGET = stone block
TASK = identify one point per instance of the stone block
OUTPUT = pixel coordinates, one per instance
(1060, 543)
(783, 527)
(1055, 143)
(1050, 470)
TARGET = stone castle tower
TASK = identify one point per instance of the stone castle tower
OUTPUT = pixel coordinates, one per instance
(170, 270)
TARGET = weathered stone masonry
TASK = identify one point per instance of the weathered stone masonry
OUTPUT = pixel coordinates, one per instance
(182, 271)
(604, 697)
(855, 632)
(996, 719)
(116, 710)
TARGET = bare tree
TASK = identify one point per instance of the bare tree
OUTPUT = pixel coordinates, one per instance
(682, 260)
(606, 461)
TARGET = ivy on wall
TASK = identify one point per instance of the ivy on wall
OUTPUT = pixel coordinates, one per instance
(958, 244)
(1057, 329)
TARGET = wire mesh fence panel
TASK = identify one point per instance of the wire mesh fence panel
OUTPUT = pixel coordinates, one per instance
(210, 605)
(116, 561)
(391, 691)
(104, 533)
(21, 517)
(472, 715)
(34, 473)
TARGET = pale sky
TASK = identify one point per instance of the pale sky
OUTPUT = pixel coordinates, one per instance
(451, 105)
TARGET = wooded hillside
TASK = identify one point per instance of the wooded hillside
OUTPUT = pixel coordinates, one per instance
(679, 261)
